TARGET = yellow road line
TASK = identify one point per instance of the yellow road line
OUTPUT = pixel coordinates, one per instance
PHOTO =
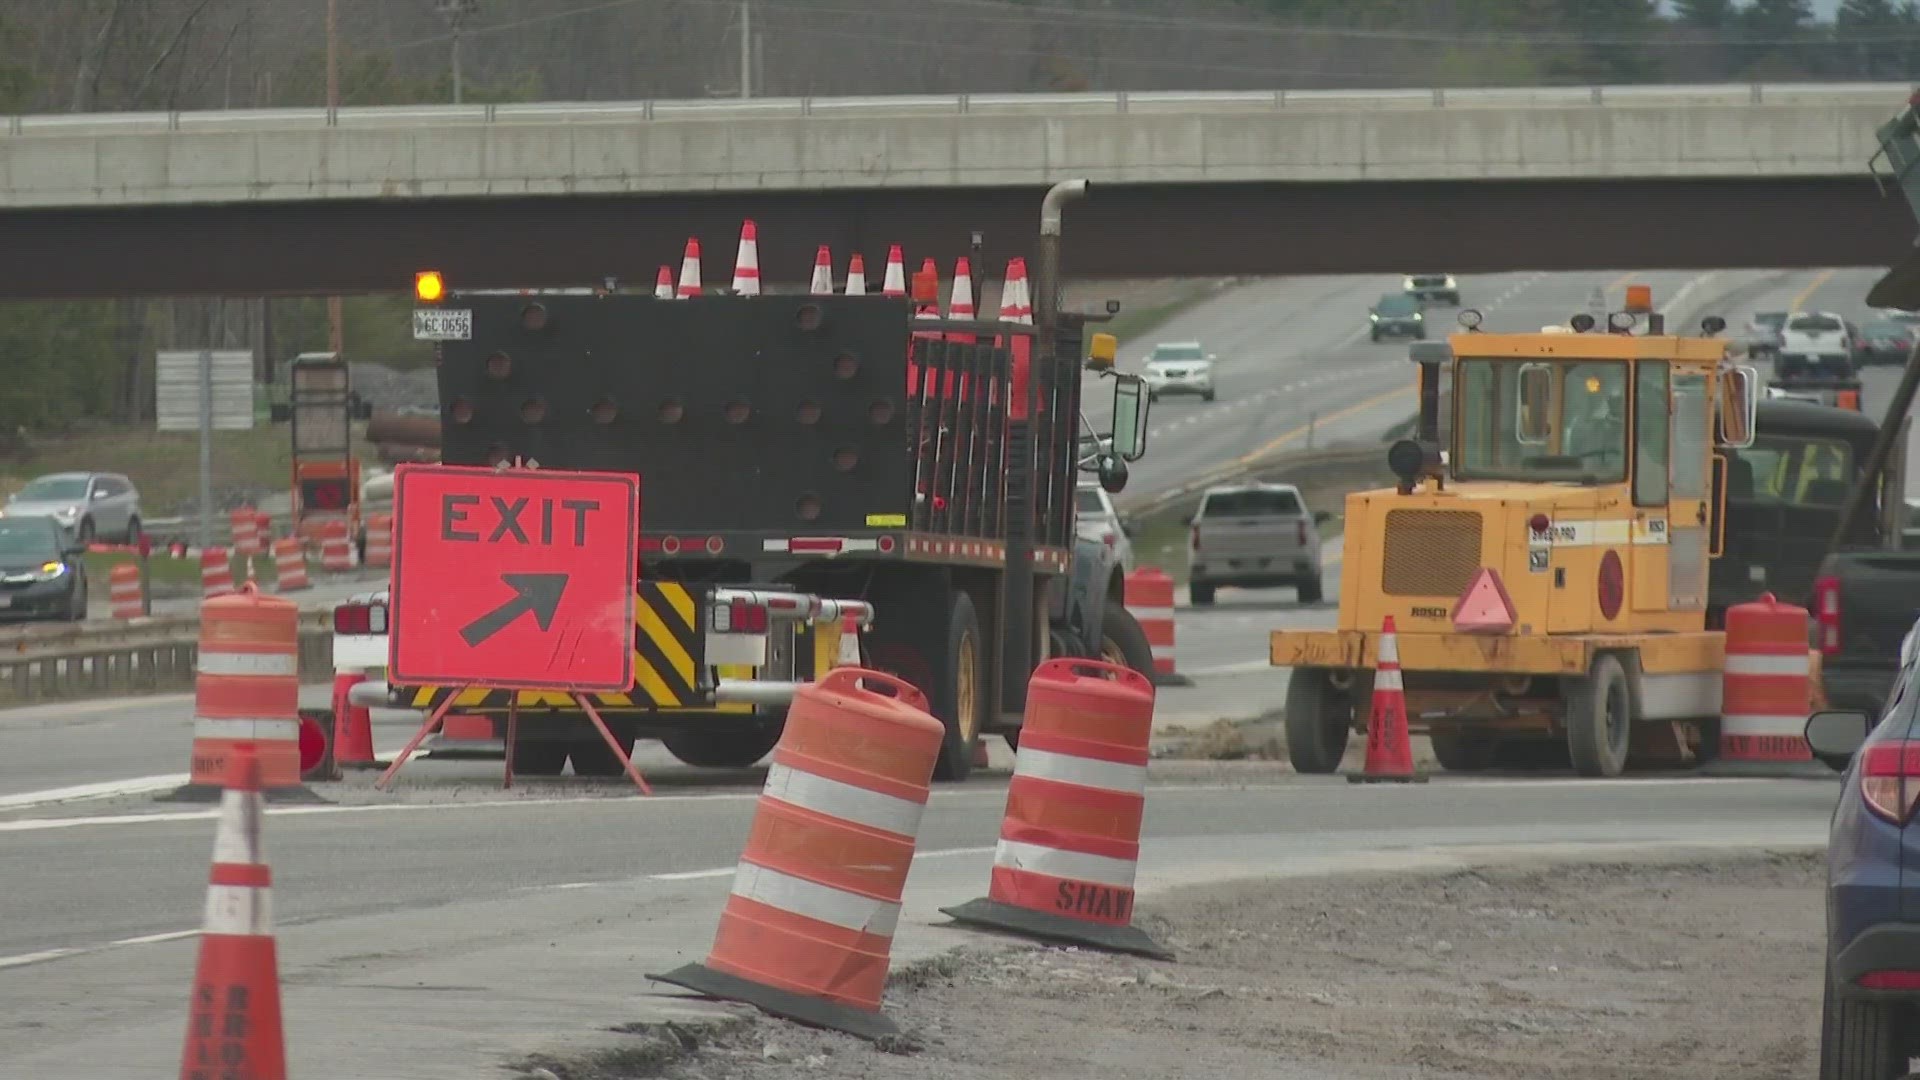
(1300, 432)
(1819, 279)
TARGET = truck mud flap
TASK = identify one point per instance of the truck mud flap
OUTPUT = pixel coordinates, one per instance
(669, 654)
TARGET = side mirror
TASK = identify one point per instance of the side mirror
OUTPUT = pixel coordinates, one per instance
(1129, 419)
(1126, 530)
(76, 552)
(1834, 737)
(1321, 517)
(1113, 474)
(1739, 406)
(1533, 420)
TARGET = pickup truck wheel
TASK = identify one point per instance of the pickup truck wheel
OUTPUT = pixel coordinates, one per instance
(961, 703)
(1123, 642)
(1319, 719)
(1309, 590)
(544, 757)
(1861, 1040)
(722, 749)
(591, 757)
(1599, 717)
(1202, 595)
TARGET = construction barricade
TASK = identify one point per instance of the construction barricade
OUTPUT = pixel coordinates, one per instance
(1766, 693)
(1389, 747)
(233, 1019)
(1149, 599)
(247, 691)
(808, 931)
(336, 546)
(244, 526)
(216, 572)
(1070, 840)
(125, 592)
(290, 565)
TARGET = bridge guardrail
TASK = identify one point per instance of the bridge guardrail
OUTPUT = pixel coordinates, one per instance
(1868, 94)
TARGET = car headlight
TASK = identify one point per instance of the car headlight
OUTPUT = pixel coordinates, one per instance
(67, 512)
(1373, 316)
(1418, 316)
(51, 570)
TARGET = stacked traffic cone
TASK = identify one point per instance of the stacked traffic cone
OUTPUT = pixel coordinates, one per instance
(895, 281)
(663, 284)
(352, 725)
(822, 284)
(233, 1022)
(1023, 296)
(1389, 750)
(690, 270)
(960, 302)
(856, 275)
(746, 266)
(926, 290)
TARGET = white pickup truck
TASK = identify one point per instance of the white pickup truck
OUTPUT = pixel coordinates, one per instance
(758, 647)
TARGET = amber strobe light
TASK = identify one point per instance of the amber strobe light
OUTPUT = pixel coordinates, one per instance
(429, 287)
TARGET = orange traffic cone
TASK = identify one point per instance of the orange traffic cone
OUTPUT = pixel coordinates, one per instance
(663, 284)
(690, 270)
(895, 281)
(822, 284)
(1389, 751)
(926, 290)
(856, 275)
(352, 725)
(233, 1023)
(746, 266)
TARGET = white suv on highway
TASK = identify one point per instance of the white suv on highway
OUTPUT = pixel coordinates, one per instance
(1179, 367)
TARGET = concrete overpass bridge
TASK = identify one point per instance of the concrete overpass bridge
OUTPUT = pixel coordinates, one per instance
(290, 201)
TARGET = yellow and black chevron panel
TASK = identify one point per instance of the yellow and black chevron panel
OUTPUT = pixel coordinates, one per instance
(669, 649)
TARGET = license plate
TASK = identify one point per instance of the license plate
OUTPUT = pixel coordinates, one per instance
(442, 324)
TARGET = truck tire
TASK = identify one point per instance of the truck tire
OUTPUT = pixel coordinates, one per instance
(1319, 719)
(1201, 595)
(591, 757)
(1309, 590)
(1860, 1040)
(961, 703)
(722, 749)
(1465, 753)
(1122, 641)
(539, 757)
(1599, 717)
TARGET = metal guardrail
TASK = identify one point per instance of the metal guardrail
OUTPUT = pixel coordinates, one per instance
(1866, 94)
(143, 656)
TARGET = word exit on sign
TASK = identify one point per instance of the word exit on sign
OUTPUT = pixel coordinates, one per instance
(520, 578)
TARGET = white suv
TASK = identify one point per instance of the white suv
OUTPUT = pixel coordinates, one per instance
(1179, 367)
(1096, 519)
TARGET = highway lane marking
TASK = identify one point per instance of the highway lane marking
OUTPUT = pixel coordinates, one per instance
(1819, 279)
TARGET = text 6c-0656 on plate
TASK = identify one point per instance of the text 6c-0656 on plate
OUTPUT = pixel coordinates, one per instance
(442, 324)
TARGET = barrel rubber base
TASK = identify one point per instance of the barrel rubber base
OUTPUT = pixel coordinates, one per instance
(1770, 770)
(1384, 778)
(209, 793)
(1051, 927)
(786, 1004)
(1171, 679)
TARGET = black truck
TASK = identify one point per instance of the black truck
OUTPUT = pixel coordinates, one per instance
(802, 457)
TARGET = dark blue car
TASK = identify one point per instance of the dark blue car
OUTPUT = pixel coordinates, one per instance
(1870, 1017)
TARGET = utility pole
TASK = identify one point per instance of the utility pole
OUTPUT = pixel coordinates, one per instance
(336, 313)
(456, 12)
(746, 48)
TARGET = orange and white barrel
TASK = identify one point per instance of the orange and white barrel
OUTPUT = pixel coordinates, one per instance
(123, 590)
(289, 565)
(1766, 690)
(336, 548)
(1149, 599)
(379, 539)
(247, 689)
(216, 572)
(244, 525)
(808, 930)
(1070, 841)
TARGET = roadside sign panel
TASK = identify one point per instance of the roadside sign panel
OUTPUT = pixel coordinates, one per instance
(179, 384)
(513, 579)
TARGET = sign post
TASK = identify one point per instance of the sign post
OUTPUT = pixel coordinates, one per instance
(514, 579)
(206, 391)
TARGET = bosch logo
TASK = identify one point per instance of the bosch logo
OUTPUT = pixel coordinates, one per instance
(1428, 612)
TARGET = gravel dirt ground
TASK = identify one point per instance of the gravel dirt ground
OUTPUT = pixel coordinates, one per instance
(1632, 970)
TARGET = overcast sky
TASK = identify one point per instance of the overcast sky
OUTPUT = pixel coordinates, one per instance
(1822, 9)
